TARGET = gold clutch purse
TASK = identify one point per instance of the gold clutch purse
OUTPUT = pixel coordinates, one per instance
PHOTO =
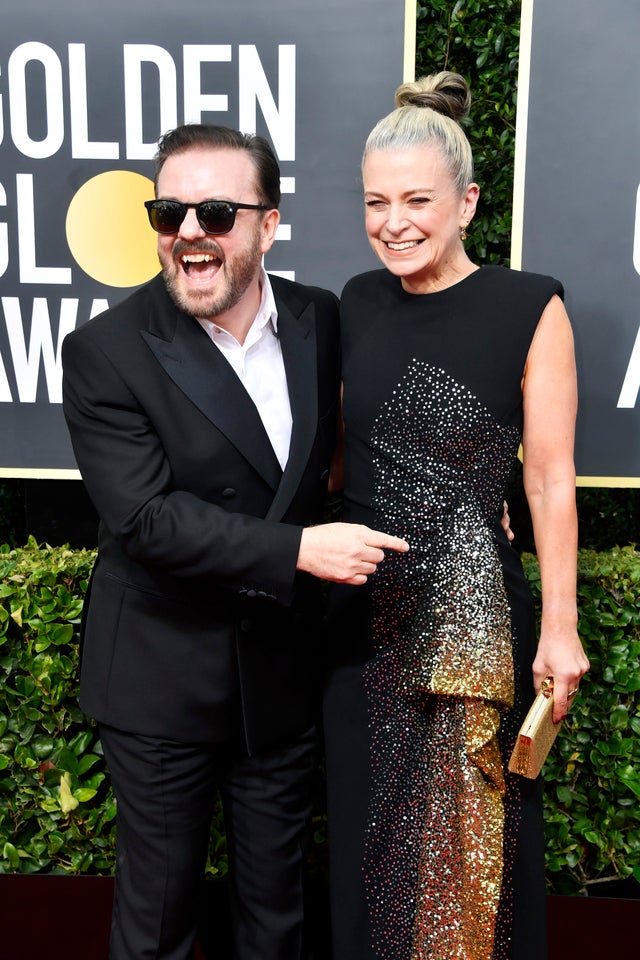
(536, 735)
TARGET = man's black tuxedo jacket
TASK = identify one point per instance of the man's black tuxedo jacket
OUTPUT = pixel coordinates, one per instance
(196, 621)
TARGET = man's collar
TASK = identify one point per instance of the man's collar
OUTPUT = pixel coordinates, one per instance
(267, 310)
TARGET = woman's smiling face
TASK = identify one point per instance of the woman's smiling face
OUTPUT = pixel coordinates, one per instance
(414, 214)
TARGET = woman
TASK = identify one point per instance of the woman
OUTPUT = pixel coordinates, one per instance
(437, 850)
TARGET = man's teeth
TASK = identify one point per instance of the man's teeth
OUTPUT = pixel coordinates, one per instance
(402, 246)
(198, 257)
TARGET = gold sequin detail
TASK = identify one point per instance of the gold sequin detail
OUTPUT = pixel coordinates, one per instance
(441, 676)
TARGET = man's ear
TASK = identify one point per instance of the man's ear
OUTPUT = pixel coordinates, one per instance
(270, 222)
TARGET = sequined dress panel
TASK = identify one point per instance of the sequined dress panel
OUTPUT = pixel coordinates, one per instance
(433, 652)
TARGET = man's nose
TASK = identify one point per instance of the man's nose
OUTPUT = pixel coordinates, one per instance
(190, 226)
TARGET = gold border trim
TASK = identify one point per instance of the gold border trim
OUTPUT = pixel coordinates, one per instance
(410, 30)
(608, 481)
(38, 473)
(522, 118)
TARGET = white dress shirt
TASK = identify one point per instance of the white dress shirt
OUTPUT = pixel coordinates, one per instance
(259, 365)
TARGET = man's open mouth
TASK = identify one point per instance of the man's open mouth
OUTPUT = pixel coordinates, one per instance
(200, 266)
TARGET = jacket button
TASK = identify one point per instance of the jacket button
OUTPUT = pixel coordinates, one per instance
(228, 493)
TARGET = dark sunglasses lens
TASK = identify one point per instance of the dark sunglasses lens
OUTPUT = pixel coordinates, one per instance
(216, 216)
(166, 215)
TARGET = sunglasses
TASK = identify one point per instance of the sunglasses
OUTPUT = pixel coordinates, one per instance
(214, 216)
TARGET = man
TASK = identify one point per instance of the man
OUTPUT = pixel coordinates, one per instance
(202, 414)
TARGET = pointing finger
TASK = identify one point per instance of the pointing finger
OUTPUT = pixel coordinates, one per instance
(385, 541)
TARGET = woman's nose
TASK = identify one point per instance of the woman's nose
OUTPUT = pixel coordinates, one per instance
(396, 219)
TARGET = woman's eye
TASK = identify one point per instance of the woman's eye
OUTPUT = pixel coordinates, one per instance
(374, 204)
(418, 201)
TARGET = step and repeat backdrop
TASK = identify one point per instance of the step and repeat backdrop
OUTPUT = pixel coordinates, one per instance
(85, 92)
(577, 207)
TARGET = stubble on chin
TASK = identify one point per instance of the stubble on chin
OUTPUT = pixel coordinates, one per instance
(206, 304)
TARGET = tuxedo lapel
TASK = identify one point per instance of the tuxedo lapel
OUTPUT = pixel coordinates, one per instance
(298, 342)
(198, 368)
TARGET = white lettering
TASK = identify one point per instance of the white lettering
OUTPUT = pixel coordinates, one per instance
(254, 89)
(195, 101)
(26, 364)
(135, 54)
(636, 235)
(36, 84)
(5, 392)
(98, 306)
(1, 114)
(81, 147)
(631, 384)
(4, 236)
(18, 100)
(29, 272)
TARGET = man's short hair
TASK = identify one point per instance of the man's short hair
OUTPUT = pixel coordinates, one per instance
(192, 136)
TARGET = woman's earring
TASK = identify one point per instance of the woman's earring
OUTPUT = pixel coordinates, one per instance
(463, 233)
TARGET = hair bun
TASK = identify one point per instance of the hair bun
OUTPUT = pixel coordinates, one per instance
(447, 93)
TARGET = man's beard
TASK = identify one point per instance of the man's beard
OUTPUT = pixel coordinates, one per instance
(239, 272)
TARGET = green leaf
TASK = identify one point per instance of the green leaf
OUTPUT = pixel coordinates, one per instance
(81, 741)
(60, 633)
(82, 794)
(633, 784)
(10, 853)
(564, 795)
(86, 762)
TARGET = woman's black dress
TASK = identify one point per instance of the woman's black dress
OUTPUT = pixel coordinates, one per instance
(436, 849)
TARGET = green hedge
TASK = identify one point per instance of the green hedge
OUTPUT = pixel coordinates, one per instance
(592, 777)
(57, 811)
(480, 40)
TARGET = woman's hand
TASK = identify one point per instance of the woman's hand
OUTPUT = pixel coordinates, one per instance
(561, 656)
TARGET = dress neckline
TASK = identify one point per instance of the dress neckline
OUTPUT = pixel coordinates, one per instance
(435, 294)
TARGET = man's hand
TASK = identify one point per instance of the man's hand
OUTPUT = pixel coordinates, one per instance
(344, 552)
(505, 520)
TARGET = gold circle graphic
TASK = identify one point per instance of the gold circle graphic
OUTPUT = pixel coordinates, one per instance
(108, 230)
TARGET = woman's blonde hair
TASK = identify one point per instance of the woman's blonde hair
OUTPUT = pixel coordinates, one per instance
(429, 111)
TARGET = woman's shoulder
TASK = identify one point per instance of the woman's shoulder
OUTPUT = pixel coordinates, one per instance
(521, 282)
(368, 286)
